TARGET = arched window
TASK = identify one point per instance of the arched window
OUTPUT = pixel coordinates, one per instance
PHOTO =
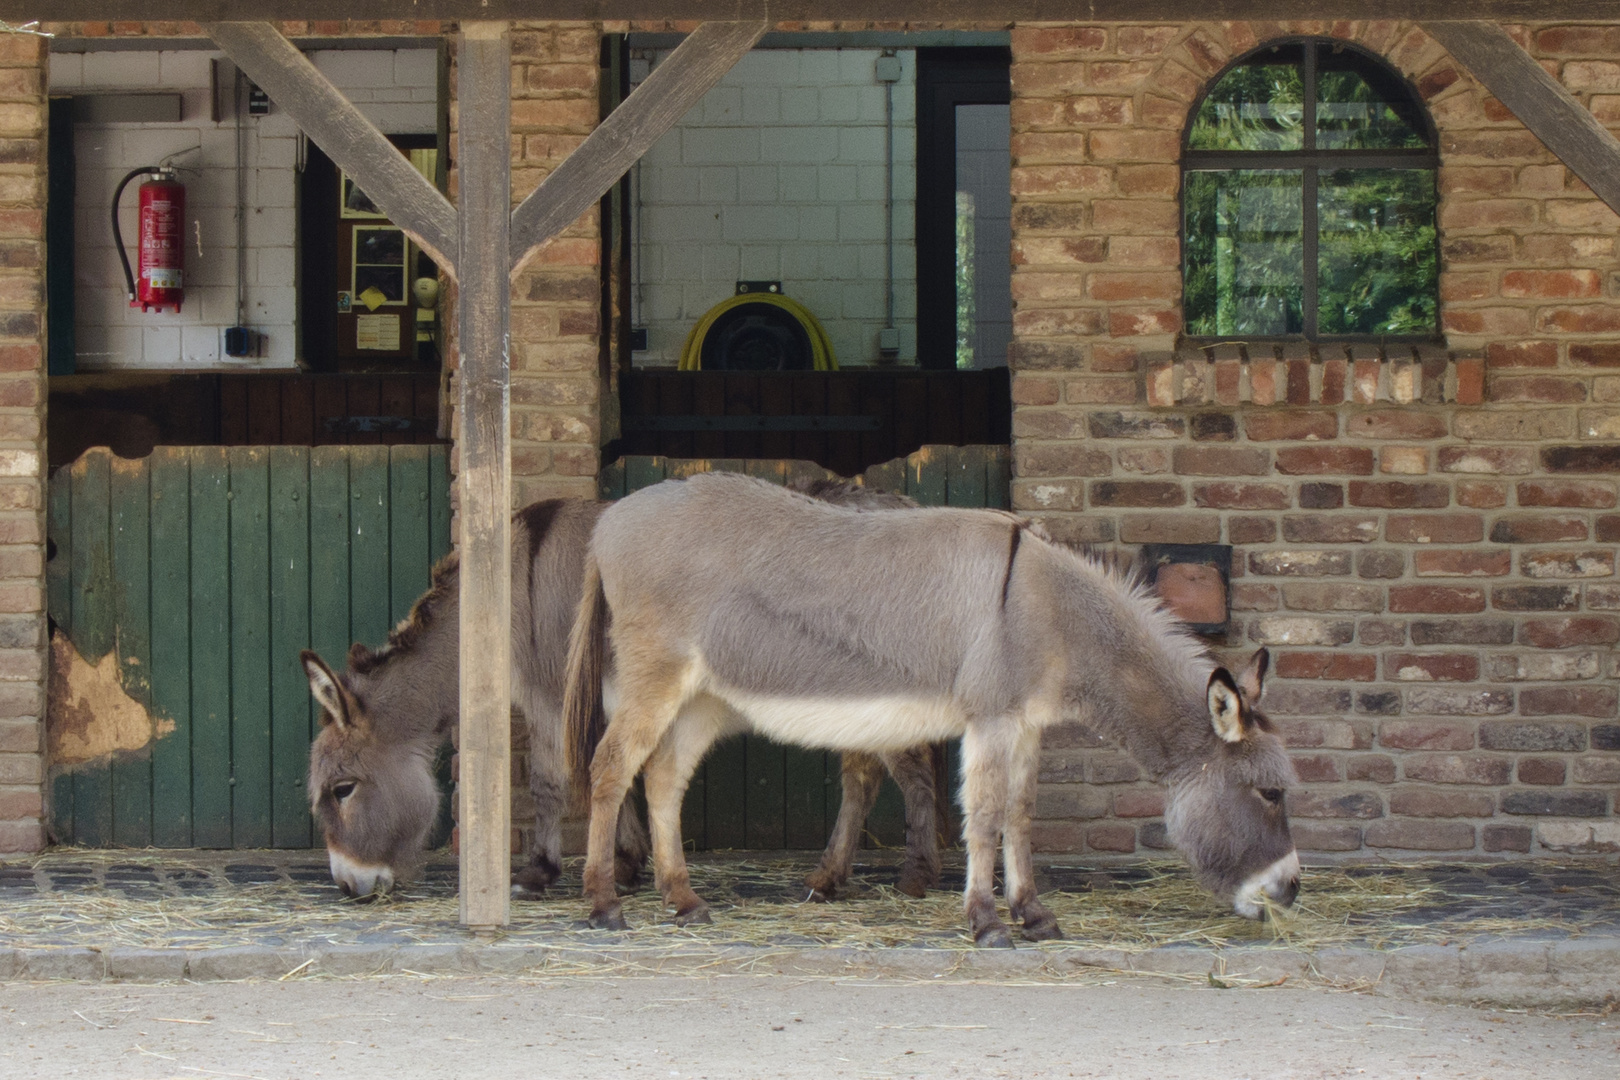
(1308, 200)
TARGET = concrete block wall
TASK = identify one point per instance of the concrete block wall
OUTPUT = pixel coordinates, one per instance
(22, 448)
(396, 89)
(779, 175)
(1437, 582)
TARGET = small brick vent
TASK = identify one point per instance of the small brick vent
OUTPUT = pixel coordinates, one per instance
(1233, 374)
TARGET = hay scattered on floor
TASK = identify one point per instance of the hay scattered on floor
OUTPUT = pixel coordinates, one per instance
(755, 902)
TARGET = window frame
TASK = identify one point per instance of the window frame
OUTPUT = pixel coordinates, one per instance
(1311, 161)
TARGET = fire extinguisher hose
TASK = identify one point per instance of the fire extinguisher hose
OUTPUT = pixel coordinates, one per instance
(118, 235)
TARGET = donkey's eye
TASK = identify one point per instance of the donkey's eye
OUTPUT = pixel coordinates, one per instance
(1272, 795)
(343, 791)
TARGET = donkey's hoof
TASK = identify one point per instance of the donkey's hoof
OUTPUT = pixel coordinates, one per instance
(694, 916)
(913, 883)
(820, 896)
(611, 919)
(1043, 929)
(994, 936)
(533, 879)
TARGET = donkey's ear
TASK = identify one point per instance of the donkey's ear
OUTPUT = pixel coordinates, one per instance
(1251, 679)
(1225, 706)
(328, 691)
(359, 655)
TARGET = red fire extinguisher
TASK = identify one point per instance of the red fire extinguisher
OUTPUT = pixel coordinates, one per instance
(162, 256)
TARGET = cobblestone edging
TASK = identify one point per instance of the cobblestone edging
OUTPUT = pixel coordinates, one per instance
(1504, 973)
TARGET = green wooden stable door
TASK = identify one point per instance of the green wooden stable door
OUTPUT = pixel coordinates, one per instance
(182, 587)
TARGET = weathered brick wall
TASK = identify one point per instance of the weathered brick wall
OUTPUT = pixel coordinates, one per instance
(22, 446)
(1436, 581)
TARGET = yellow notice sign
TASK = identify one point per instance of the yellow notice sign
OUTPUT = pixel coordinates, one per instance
(373, 298)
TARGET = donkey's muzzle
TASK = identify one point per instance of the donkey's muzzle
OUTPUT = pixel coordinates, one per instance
(1278, 883)
(359, 881)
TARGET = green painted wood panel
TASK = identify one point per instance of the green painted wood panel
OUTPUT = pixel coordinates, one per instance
(171, 646)
(765, 784)
(131, 501)
(290, 591)
(804, 793)
(408, 518)
(965, 476)
(211, 773)
(725, 815)
(207, 570)
(370, 598)
(329, 553)
(93, 627)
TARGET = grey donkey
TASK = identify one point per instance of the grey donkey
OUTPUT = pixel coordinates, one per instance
(736, 605)
(385, 718)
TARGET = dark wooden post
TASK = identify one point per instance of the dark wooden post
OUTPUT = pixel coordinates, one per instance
(485, 480)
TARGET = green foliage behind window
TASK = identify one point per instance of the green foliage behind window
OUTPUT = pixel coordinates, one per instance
(1309, 200)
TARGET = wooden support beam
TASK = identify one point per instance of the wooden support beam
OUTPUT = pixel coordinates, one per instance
(408, 198)
(484, 96)
(1552, 114)
(655, 106)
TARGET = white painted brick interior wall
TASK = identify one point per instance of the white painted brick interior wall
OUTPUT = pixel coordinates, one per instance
(778, 174)
(396, 89)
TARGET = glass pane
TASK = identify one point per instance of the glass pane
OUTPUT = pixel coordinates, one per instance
(983, 235)
(1378, 272)
(1360, 106)
(1257, 106)
(1244, 270)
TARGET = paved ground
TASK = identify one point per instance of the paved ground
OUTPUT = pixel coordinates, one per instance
(1126, 1028)
(1520, 934)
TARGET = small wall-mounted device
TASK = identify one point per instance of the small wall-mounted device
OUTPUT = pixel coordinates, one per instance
(241, 342)
(758, 286)
(258, 101)
(1194, 581)
(889, 342)
(888, 67)
(638, 339)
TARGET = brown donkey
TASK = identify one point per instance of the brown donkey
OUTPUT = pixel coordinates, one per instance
(738, 605)
(384, 720)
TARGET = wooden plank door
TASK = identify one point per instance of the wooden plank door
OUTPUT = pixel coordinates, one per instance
(182, 588)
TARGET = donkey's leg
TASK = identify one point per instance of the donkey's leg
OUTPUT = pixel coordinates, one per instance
(861, 775)
(667, 773)
(630, 846)
(651, 703)
(548, 781)
(1023, 760)
(913, 770)
(984, 801)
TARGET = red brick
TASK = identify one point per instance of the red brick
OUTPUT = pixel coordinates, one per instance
(1566, 564)
(1425, 735)
(1538, 529)
(1170, 528)
(1330, 528)
(1440, 802)
(1258, 530)
(1575, 630)
(1374, 768)
(1594, 701)
(1481, 494)
(1338, 666)
(1289, 424)
(1113, 837)
(1436, 598)
(1054, 42)
(1552, 284)
(1137, 493)
(1547, 389)
(1134, 322)
(1324, 460)
(1470, 380)
(1421, 835)
(1507, 838)
(1486, 459)
(1567, 493)
(1447, 563)
(1544, 771)
(1396, 424)
(1431, 667)
(1326, 836)
(1398, 494)
(1459, 769)
(1434, 528)
(1317, 768)
(1592, 319)
(1222, 461)
(1241, 496)
(1139, 802)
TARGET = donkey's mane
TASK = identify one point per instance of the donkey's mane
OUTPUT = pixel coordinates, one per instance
(1182, 649)
(402, 638)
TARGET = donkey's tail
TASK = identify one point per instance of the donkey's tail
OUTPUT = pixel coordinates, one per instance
(583, 715)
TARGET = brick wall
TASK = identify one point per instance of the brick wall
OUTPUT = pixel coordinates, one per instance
(1436, 581)
(22, 448)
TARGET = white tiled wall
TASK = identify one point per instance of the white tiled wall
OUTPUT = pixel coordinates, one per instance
(396, 89)
(778, 174)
